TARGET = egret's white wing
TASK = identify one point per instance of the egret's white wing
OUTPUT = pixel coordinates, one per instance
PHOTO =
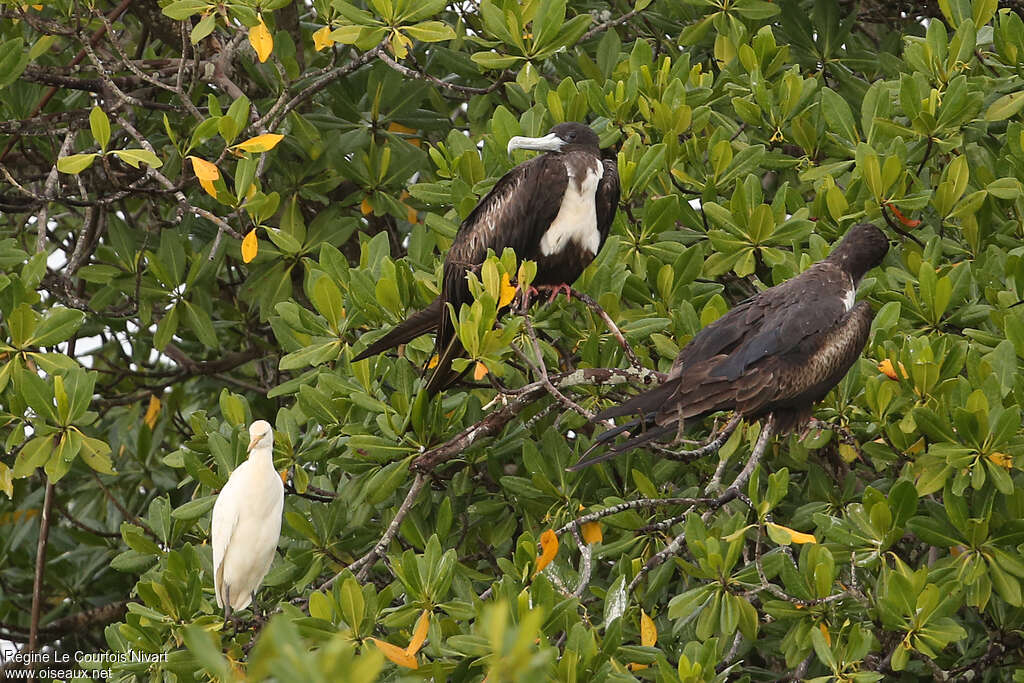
(222, 526)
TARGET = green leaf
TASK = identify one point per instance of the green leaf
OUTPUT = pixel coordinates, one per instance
(13, 60)
(430, 31)
(75, 163)
(1005, 107)
(133, 157)
(99, 124)
(57, 326)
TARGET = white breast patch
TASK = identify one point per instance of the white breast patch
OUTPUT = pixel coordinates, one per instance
(850, 297)
(577, 217)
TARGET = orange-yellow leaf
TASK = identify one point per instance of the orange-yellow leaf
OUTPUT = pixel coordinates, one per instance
(592, 532)
(480, 371)
(365, 207)
(784, 535)
(648, 631)
(261, 40)
(152, 412)
(208, 186)
(636, 666)
(508, 292)
(1001, 459)
(548, 550)
(434, 360)
(419, 634)
(886, 368)
(399, 128)
(250, 246)
(284, 475)
(824, 632)
(261, 143)
(204, 170)
(396, 654)
(322, 39)
(411, 215)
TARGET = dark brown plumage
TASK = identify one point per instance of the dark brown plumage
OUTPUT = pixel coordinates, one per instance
(519, 212)
(777, 353)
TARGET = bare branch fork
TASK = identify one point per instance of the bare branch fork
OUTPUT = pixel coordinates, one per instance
(734, 491)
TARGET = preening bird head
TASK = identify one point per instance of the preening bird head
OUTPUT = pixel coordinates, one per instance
(261, 434)
(561, 138)
(863, 247)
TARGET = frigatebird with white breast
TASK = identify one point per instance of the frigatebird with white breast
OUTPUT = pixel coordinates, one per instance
(772, 356)
(555, 209)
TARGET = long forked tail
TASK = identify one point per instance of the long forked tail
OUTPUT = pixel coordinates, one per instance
(416, 324)
(642, 430)
(443, 376)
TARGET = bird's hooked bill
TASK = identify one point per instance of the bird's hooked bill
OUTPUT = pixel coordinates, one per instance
(547, 143)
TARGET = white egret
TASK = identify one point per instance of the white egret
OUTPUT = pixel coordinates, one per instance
(247, 523)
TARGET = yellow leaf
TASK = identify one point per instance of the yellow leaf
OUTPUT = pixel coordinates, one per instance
(1001, 459)
(648, 631)
(322, 39)
(480, 371)
(152, 412)
(399, 128)
(793, 535)
(548, 550)
(824, 632)
(284, 475)
(250, 246)
(396, 654)
(434, 360)
(365, 207)
(592, 532)
(208, 186)
(6, 481)
(261, 143)
(636, 666)
(204, 170)
(508, 292)
(411, 214)
(886, 368)
(261, 40)
(400, 44)
(16, 516)
(420, 634)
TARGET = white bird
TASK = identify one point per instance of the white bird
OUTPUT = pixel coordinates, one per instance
(246, 523)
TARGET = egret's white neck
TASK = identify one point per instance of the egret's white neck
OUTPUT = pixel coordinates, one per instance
(264, 455)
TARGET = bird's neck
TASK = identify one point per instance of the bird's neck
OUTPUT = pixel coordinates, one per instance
(262, 456)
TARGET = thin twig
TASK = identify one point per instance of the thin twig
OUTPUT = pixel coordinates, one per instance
(610, 324)
(586, 562)
(37, 582)
(364, 563)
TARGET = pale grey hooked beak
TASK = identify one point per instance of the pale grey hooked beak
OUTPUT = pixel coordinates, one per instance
(548, 143)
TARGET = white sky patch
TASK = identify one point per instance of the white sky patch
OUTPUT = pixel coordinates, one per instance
(695, 203)
(57, 259)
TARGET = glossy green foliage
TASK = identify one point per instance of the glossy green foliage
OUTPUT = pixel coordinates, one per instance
(139, 337)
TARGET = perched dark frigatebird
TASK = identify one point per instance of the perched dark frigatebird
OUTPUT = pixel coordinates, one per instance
(774, 355)
(555, 209)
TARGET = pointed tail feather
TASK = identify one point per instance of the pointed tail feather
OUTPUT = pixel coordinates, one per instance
(648, 401)
(443, 376)
(650, 434)
(416, 324)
